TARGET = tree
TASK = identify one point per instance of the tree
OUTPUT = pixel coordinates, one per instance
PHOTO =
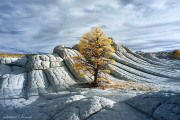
(95, 49)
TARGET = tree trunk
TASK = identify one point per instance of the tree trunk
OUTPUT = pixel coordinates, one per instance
(96, 77)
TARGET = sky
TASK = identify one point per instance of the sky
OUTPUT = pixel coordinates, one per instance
(31, 26)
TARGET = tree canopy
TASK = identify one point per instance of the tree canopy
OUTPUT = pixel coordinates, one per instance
(95, 49)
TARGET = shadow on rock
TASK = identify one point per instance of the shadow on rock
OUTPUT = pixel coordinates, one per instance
(160, 105)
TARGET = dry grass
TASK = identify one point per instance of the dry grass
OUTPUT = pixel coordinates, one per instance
(147, 88)
(115, 85)
(121, 85)
(2, 55)
(155, 54)
(130, 86)
(166, 53)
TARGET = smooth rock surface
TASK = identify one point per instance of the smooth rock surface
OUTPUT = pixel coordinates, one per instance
(160, 105)
(13, 86)
(45, 87)
(60, 78)
(41, 62)
(4, 69)
(67, 53)
(14, 61)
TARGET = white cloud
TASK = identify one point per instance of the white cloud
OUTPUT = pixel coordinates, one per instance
(38, 26)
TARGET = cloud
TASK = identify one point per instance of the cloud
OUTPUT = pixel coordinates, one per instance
(39, 26)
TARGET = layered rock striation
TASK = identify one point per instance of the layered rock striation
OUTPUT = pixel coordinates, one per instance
(44, 87)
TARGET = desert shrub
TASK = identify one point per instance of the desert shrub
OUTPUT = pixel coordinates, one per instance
(176, 54)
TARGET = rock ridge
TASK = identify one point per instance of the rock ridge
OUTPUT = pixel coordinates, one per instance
(45, 86)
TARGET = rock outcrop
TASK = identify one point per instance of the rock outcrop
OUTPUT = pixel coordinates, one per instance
(67, 53)
(160, 105)
(42, 62)
(14, 61)
(44, 86)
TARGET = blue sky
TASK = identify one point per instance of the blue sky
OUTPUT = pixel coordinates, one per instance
(40, 25)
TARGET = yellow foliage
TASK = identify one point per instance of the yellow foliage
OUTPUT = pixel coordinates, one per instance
(95, 49)
(84, 37)
(135, 87)
(102, 78)
(106, 71)
(111, 67)
(81, 74)
(112, 61)
(109, 81)
(176, 54)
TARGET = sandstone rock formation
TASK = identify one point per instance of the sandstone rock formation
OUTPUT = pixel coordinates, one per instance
(160, 106)
(44, 86)
(39, 62)
(14, 61)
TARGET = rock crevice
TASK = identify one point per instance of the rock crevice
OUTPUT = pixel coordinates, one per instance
(45, 86)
